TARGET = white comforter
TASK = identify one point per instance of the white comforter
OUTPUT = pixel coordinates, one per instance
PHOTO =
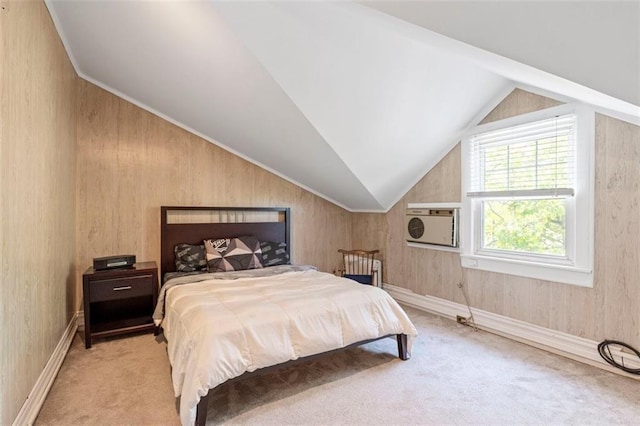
(219, 329)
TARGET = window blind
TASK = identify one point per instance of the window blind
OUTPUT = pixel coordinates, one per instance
(534, 159)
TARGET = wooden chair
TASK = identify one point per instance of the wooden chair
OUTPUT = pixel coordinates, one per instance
(358, 265)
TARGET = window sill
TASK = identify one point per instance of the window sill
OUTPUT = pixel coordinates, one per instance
(433, 247)
(556, 273)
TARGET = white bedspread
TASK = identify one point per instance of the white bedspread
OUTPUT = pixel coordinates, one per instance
(219, 329)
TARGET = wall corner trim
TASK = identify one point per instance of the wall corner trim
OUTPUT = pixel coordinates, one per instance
(559, 343)
(31, 407)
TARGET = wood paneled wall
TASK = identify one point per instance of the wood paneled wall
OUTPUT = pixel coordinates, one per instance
(608, 310)
(369, 232)
(131, 162)
(37, 192)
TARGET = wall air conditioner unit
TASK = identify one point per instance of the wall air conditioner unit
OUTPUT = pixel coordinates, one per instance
(437, 226)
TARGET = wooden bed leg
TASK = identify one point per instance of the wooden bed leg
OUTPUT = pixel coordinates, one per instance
(201, 410)
(402, 347)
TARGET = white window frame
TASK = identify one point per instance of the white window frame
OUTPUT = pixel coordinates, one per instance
(577, 269)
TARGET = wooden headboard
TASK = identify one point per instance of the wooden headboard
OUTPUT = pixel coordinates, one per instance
(192, 225)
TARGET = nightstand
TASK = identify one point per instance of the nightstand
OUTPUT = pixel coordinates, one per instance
(118, 301)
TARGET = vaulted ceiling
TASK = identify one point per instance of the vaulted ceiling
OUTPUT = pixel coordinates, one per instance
(354, 102)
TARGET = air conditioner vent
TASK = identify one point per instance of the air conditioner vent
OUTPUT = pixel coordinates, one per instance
(432, 226)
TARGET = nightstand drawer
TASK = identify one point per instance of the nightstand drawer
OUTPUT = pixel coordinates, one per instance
(121, 288)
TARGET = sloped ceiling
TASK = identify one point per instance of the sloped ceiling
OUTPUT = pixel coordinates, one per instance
(593, 43)
(348, 102)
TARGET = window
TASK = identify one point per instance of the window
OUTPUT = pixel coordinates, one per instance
(528, 196)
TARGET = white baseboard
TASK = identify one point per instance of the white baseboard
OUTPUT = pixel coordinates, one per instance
(574, 347)
(30, 409)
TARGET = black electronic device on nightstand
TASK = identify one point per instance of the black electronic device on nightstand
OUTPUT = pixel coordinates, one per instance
(112, 262)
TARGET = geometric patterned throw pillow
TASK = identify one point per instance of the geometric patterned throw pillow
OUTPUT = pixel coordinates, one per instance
(239, 254)
(189, 257)
(220, 245)
(274, 253)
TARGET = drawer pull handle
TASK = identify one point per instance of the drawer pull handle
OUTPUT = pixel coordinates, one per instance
(124, 287)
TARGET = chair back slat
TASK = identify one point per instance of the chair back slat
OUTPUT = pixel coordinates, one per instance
(358, 264)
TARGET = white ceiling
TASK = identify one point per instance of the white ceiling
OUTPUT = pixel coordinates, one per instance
(349, 102)
(593, 43)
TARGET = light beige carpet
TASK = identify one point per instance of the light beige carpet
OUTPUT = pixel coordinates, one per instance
(456, 376)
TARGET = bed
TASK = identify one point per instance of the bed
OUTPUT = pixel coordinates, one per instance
(230, 324)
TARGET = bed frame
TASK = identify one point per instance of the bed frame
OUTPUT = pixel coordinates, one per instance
(193, 233)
